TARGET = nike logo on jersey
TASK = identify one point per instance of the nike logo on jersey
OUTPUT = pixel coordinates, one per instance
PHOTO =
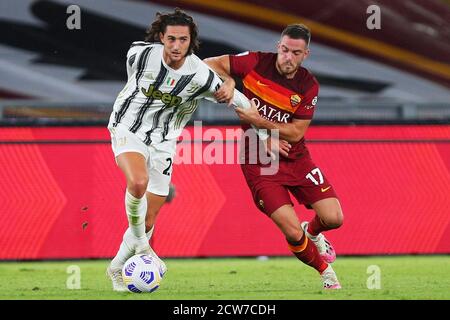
(165, 98)
(325, 189)
(261, 84)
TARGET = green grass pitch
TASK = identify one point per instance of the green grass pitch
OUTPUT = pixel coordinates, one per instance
(401, 277)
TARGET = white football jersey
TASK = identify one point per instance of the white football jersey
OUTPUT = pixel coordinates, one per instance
(158, 101)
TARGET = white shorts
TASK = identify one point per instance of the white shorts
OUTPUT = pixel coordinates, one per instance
(159, 157)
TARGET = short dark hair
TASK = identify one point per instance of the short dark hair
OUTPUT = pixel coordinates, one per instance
(297, 31)
(176, 18)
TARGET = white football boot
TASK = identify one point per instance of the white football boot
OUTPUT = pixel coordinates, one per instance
(115, 274)
(329, 278)
(143, 247)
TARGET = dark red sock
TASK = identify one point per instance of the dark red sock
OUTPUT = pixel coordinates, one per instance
(316, 226)
(306, 251)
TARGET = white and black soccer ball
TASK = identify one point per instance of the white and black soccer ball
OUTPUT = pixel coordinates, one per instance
(142, 273)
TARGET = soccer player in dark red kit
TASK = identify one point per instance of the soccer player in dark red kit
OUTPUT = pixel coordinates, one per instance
(283, 96)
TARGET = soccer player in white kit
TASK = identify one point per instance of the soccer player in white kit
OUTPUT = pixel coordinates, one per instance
(165, 81)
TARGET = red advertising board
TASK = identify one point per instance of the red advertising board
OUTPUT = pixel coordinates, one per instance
(61, 195)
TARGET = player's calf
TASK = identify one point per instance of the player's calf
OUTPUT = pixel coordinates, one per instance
(324, 247)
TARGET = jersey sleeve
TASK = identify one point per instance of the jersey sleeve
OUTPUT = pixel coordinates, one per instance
(213, 83)
(133, 53)
(241, 64)
(131, 60)
(308, 103)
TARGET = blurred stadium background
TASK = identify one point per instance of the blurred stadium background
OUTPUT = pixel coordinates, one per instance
(381, 130)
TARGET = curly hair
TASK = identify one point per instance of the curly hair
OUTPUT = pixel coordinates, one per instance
(176, 18)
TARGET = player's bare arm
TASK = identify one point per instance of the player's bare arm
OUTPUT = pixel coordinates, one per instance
(221, 65)
(291, 132)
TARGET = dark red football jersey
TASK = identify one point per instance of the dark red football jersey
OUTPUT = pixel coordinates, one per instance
(278, 99)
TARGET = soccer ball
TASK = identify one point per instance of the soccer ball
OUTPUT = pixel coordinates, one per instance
(142, 273)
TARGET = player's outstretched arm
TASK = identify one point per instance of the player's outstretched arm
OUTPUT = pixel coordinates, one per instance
(221, 65)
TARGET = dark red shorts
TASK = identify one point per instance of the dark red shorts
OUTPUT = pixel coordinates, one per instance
(301, 177)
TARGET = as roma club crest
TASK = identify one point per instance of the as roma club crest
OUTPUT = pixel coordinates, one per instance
(295, 100)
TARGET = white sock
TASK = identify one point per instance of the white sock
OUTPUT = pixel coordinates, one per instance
(124, 253)
(150, 233)
(136, 210)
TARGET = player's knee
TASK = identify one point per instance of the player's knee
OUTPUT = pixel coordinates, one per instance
(293, 235)
(137, 186)
(334, 220)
